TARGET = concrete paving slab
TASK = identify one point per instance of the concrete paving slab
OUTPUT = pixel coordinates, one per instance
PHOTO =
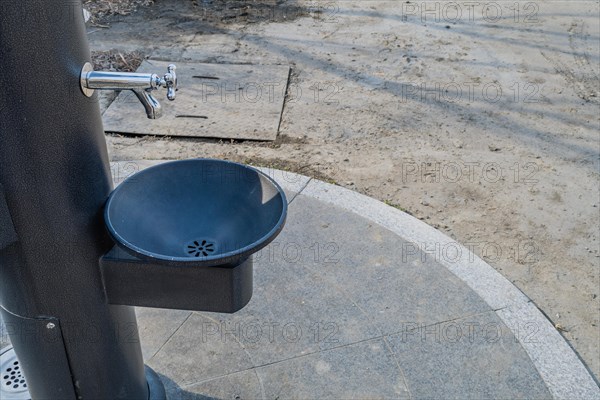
(195, 354)
(383, 275)
(496, 290)
(295, 313)
(226, 101)
(476, 357)
(364, 370)
(358, 371)
(157, 326)
(241, 385)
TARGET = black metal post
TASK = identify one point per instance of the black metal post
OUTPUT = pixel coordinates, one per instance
(54, 180)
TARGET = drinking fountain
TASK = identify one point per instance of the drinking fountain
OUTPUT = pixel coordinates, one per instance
(76, 256)
(185, 232)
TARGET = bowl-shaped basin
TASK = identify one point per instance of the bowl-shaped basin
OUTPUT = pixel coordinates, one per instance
(196, 212)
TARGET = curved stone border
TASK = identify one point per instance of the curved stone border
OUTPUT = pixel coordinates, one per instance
(559, 366)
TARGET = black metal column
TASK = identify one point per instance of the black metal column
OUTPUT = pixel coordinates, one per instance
(54, 180)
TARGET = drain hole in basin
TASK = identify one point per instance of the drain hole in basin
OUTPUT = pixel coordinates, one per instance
(200, 248)
(11, 377)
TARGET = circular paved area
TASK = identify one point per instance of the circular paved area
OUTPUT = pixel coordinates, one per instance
(356, 299)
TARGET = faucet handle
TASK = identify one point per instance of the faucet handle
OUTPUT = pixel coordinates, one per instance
(170, 80)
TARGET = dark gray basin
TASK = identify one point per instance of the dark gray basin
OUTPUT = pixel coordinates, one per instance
(197, 212)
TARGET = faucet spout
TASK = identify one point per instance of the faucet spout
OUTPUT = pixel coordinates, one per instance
(151, 105)
(142, 85)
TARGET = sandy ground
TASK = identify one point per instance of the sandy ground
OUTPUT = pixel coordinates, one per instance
(480, 119)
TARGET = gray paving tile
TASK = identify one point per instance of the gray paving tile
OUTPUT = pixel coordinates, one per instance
(477, 357)
(195, 353)
(293, 313)
(241, 385)
(386, 277)
(286, 318)
(156, 326)
(489, 284)
(365, 370)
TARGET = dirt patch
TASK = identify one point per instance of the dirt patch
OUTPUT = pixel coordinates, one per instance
(284, 165)
(114, 60)
(250, 11)
(215, 12)
(100, 9)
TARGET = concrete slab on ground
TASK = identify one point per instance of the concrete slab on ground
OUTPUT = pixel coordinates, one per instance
(225, 101)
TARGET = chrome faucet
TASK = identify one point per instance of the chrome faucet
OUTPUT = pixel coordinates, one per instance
(141, 84)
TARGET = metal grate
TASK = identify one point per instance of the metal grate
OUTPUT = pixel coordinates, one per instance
(200, 247)
(13, 385)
